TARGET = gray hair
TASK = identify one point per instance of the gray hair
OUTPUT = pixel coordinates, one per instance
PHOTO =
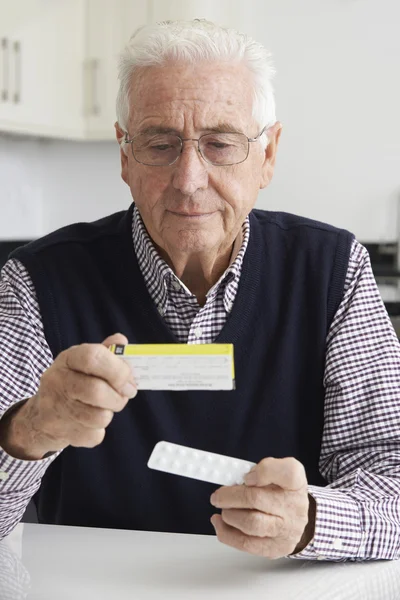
(195, 41)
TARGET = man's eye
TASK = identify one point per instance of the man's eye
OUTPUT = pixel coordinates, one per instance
(162, 147)
(218, 145)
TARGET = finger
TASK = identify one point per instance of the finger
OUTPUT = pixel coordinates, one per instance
(82, 437)
(98, 361)
(254, 522)
(287, 473)
(88, 416)
(91, 390)
(116, 338)
(266, 500)
(253, 545)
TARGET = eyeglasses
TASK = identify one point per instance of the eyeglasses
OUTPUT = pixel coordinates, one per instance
(164, 149)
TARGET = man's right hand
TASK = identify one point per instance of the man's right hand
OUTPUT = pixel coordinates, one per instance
(76, 400)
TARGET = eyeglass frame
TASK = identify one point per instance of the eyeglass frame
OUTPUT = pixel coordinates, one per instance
(249, 140)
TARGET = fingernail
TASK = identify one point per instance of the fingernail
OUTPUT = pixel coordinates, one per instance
(251, 478)
(212, 522)
(212, 499)
(129, 390)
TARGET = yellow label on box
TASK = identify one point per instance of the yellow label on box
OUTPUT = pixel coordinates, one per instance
(180, 366)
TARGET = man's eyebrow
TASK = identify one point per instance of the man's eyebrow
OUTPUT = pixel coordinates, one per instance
(223, 127)
(154, 129)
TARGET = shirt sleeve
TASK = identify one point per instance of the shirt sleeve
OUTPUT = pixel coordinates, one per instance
(24, 356)
(358, 512)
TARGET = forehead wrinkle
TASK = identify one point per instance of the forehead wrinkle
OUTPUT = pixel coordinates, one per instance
(221, 127)
(173, 97)
(181, 118)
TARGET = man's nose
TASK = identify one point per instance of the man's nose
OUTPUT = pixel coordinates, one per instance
(190, 173)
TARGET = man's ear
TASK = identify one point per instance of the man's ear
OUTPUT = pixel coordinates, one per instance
(120, 135)
(273, 134)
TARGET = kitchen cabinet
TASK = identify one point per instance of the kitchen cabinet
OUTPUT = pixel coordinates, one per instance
(109, 27)
(42, 46)
(58, 65)
(58, 59)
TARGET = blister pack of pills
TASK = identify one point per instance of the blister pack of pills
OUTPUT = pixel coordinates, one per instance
(198, 464)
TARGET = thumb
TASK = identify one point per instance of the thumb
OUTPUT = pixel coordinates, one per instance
(116, 338)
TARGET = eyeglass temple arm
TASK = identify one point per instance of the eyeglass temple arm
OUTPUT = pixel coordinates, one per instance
(263, 130)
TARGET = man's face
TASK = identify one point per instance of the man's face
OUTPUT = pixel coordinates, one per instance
(193, 206)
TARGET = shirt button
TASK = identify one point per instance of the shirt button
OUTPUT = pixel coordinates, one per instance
(321, 557)
(3, 476)
(176, 285)
(229, 305)
(160, 309)
(337, 544)
(198, 332)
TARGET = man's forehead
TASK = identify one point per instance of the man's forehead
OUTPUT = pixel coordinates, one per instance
(218, 93)
(226, 75)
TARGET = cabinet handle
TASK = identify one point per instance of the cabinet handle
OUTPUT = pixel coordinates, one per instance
(17, 66)
(5, 83)
(94, 64)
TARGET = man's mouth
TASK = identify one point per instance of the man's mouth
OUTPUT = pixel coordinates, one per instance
(191, 215)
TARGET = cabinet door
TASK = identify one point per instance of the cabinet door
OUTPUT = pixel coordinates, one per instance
(109, 27)
(42, 45)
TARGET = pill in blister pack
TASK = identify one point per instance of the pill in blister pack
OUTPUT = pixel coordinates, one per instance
(198, 464)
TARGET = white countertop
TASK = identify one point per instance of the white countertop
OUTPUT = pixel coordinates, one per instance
(44, 562)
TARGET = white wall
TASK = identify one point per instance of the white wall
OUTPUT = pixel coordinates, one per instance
(21, 183)
(82, 182)
(338, 97)
(47, 184)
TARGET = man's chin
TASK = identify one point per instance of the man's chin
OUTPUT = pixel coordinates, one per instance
(194, 241)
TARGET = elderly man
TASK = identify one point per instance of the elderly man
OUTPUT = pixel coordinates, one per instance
(317, 361)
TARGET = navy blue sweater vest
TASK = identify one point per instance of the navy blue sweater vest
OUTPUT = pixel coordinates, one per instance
(89, 286)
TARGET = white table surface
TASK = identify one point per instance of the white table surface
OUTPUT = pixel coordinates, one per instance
(44, 562)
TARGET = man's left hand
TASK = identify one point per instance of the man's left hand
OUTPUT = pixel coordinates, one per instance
(272, 515)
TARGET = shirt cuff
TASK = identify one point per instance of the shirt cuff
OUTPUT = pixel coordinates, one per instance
(338, 528)
(13, 407)
(16, 473)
